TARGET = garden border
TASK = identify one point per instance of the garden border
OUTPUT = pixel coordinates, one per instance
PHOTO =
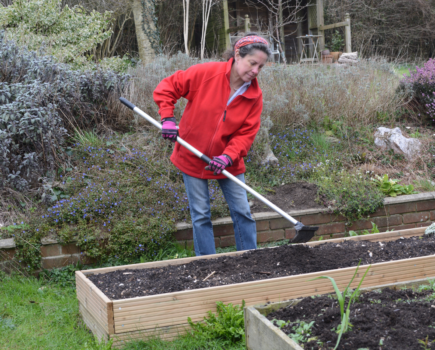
(165, 315)
(398, 213)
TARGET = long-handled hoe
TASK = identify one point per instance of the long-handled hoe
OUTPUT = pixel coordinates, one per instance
(303, 233)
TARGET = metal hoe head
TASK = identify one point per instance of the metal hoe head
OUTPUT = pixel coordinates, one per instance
(304, 234)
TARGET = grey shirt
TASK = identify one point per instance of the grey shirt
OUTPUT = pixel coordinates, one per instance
(240, 91)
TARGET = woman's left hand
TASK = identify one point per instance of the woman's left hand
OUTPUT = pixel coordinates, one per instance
(218, 164)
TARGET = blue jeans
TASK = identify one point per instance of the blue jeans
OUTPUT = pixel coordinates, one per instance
(245, 231)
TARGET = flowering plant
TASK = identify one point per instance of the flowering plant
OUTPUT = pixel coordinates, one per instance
(422, 84)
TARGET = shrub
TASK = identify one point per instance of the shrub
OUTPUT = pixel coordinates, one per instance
(39, 100)
(64, 32)
(119, 203)
(422, 84)
(295, 96)
(355, 197)
(298, 151)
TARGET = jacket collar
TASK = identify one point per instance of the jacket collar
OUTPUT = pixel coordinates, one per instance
(253, 91)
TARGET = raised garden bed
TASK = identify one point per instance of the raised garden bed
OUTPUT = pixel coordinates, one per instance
(390, 317)
(124, 317)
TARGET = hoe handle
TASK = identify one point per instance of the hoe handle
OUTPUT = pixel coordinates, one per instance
(298, 225)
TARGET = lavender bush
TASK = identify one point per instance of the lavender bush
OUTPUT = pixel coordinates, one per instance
(39, 101)
(295, 95)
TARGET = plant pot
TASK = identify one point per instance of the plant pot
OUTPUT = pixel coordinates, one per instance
(336, 56)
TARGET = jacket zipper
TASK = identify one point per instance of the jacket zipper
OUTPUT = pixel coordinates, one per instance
(225, 114)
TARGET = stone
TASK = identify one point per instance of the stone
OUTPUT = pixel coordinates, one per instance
(262, 138)
(7, 243)
(430, 230)
(386, 138)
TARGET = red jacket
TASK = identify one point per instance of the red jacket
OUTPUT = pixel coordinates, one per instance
(208, 124)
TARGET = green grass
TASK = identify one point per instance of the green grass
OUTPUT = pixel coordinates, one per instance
(187, 342)
(39, 316)
(404, 69)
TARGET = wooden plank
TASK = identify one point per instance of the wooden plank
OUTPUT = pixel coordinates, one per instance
(161, 263)
(92, 324)
(88, 297)
(94, 301)
(334, 25)
(376, 237)
(164, 333)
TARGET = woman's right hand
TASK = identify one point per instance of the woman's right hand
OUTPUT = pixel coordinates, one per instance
(169, 129)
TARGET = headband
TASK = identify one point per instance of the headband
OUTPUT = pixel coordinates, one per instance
(252, 39)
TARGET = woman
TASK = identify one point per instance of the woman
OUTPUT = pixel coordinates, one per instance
(221, 119)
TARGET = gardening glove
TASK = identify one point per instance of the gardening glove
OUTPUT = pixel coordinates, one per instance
(169, 129)
(218, 164)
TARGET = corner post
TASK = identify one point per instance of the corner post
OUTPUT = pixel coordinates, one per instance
(247, 24)
(347, 33)
(320, 23)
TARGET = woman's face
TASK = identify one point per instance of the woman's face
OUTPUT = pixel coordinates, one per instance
(249, 67)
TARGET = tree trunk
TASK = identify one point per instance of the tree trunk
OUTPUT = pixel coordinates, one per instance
(146, 52)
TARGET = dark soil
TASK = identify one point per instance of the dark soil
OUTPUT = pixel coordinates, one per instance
(257, 265)
(398, 319)
(294, 196)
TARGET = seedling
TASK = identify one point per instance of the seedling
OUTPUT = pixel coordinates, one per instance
(425, 343)
(374, 229)
(345, 315)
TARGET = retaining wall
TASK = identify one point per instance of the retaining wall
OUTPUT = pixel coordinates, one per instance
(398, 213)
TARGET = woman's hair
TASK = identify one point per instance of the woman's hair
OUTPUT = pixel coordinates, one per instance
(247, 49)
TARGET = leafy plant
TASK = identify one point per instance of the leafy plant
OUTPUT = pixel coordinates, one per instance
(302, 331)
(227, 324)
(337, 41)
(430, 287)
(391, 187)
(280, 323)
(374, 229)
(64, 276)
(355, 198)
(341, 297)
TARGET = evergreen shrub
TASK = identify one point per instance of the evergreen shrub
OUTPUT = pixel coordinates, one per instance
(40, 100)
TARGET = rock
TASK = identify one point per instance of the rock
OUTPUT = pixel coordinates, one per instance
(430, 230)
(7, 243)
(263, 138)
(269, 159)
(393, 139)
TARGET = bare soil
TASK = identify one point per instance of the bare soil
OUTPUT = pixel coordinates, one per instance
(396, 319)
(257, 264)
(294, 196)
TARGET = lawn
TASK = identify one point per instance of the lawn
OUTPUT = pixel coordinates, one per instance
(42, 314)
